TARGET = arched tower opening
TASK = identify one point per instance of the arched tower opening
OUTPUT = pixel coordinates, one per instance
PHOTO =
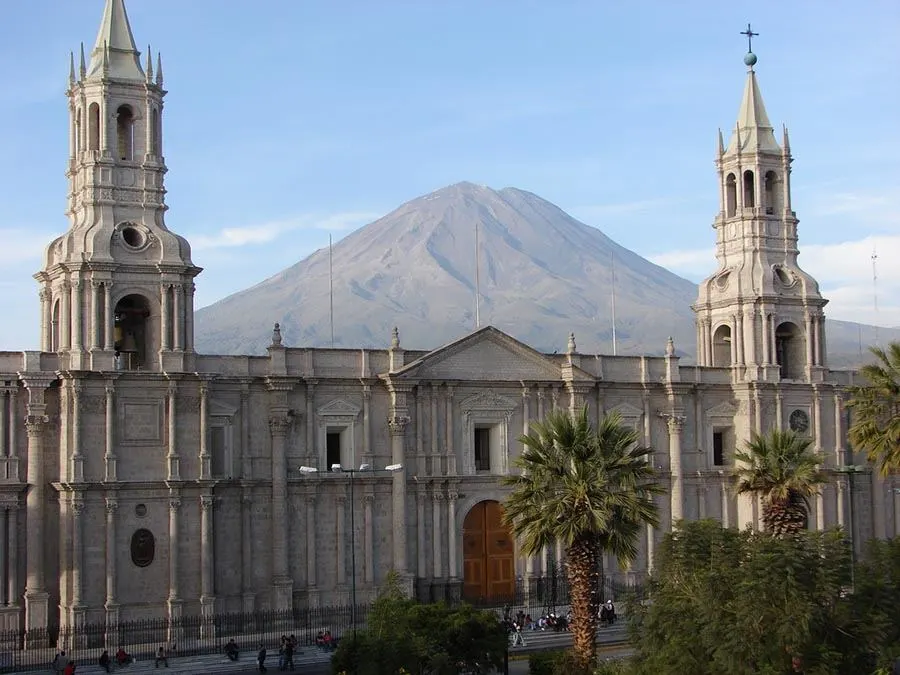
(730, 195)
(789, 350)
(94, 126)
(749, 190)
(155, 132)
(774, 197)
(132, 332)
(54, 327)
(721, 347)
(77, 132)
(125, 132)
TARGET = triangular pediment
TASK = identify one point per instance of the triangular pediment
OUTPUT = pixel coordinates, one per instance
(338, 407)
(724, 409)
(488, 355)
(627, 411)
(220, 409)
(487, 400)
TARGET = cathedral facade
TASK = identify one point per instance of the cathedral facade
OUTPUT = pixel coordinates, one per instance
(139, 478)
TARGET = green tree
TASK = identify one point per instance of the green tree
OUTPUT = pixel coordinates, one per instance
(741, 602)
(781, 468)
(592, 491)
(876, 409)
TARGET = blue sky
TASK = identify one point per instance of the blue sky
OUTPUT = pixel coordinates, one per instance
(289, 120)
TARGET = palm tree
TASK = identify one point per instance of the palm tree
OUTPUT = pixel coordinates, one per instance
(590, 490)
(876, 407)
(780, 468)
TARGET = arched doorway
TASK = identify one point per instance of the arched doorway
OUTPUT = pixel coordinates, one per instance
(130, 332)
(489, 569)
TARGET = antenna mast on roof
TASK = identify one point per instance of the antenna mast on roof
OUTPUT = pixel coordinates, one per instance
(477, 284)
(875, 291)
(612, 255)
(331, 288)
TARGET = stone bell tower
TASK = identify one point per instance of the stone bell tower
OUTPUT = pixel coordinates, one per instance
(117, 289)
(759, 313)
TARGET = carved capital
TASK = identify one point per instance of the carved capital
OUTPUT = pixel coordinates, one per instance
(172, 390)
(340, 501)
(174, 504)
(367, 392)
(112, 505)
(44, 295)
(675, 424)
(452, 496)
(207, 502)
(247, 500)
(96, 284)
(438, 497)
(77, 508)
(279, 424)
(35, 424)
(310, 501)
(397, 424)
(9, 502)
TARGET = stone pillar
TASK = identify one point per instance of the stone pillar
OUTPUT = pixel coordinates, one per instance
(77, 470)
(726, 501)
(651, 547)
(675, 425)
(367, 424)
(4, 555)
(421, 468)
(205, 462)
(108, 318)
(526, 428)
(311, 449)
(397, 425)
(249, 598)
(437, 557)
(451, 451)
(810, 337)
(435, 452)
(281, 581)
(46, 321)
(421, 558)
(189, 290)
(36, 596)
(817, 345)
(174, 541)
(311, 553)
(841, 507)
(166, 317)
(12, 463)
(77, 558)
(340, 520)
(207, 560)
(173, 462)
(177, 317)
(95, 326)
(112, 506)
(65, 325)
(13, 591)
(369, 526)
(453, 571)
(246, 459)
(77, 315)
(817, 427)
(4, 411)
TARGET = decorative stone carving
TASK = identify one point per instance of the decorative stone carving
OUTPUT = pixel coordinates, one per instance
(675, 424)
(279, 424)
(487, 401)
(207, 502)
(338, 407)
(397, 424)
(174, 504)
(143, 548)
(112, 505)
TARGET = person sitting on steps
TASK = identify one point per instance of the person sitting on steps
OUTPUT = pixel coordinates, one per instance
(231, 650)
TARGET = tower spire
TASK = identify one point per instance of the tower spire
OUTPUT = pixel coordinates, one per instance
(149, 67)
(754, 133)
(115, 37)
(71, 68)
(82, 68)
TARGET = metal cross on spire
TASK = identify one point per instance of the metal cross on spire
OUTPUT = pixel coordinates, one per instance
(750, 35)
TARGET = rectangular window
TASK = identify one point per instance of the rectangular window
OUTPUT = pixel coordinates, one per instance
(333, 448)
(482, 449)
(217, 459)
(719, 448)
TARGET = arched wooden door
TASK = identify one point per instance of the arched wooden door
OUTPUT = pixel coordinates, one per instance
(489, 569)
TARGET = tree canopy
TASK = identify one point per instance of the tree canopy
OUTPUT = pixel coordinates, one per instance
(875, 406)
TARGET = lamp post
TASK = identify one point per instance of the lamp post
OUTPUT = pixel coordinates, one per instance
(366, 469)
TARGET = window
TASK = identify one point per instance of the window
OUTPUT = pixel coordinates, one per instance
(730, 195)
(749, 190)
(125, 130)
(333, 448)
(94, 127)
(217, 452)
(719, 448)
(482, 449)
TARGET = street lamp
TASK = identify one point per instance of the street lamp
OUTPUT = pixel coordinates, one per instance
(367, 469)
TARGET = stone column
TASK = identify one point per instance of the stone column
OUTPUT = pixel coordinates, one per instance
(108, 318)
(651, 547)
(13, 591)
(246, 459)
(207, 567)
(166, 317)
(369, 532)
(841, 507)
(96, 326)
(421, 559)
(77, 315)
(4, 410)
(12, 463)
(397, 425)
(311, 553)
(311, 449)
(526, 428)
(205, 462)
(174, 540)
(435, 451)
(112, 506)
(36, 596)
(451, 451)
(177, 317)
(46, 321)
(817, 426)
(249, 598)
(340, 505)
(675, 425)
(65, 325)
(726, 501)
(817, 345)
(189, 290)
(367, 424)
(451, 535)
(810, 347)
(281, 581)
(173, 461)
(77, 470)
(437, 557)
(4, 544)
(421, 468)
(77, 558)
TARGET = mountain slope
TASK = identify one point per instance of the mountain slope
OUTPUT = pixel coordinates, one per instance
(543, 274)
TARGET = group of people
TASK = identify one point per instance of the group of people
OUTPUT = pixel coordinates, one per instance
(550, 621)
(66, 666)
(325, 641)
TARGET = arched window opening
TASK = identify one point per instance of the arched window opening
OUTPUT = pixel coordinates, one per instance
(773, 193)
(94, 127)
(789, 351)
(730, 195)
(78, 132)
(722, 347)
(125, 131)
(131, 332)
(749, 190)
(155, 133)
(54, 328)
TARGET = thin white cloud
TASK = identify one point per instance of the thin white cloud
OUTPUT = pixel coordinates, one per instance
(600, 211)
(19, 245)
(878, 207)
(845, 272)
(265, 233)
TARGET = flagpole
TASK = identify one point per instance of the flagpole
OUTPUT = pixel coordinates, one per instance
(331, 287)
(612, 255)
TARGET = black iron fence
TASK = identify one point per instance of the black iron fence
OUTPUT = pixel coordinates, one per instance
(199, 635)
(186, 636)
